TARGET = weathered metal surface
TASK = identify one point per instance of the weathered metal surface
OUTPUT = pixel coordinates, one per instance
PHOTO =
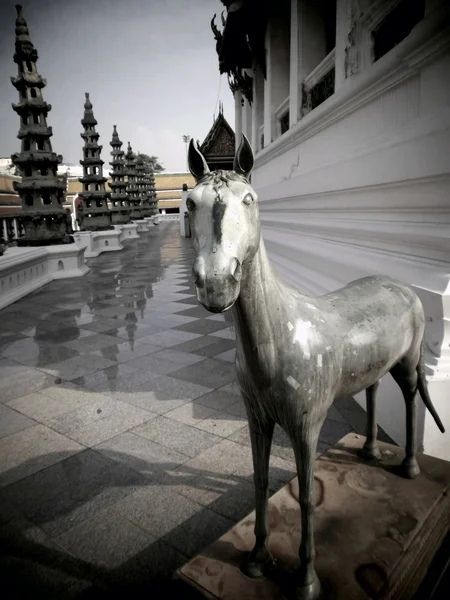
(296, 354)
(376, 533)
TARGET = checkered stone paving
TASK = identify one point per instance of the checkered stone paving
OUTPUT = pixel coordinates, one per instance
(124, 446)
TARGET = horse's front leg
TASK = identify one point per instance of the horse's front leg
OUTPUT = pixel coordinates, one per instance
(261, 433)
(304, 441)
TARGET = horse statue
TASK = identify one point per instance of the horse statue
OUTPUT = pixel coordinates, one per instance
(296, 354)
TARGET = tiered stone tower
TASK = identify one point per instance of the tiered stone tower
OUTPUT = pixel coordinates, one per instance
(141, 173)
(132, 189)
(150, 202)
(121, 210)
(94, 215)
(42, 193)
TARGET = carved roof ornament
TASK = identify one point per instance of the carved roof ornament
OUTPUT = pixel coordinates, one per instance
(241, 44)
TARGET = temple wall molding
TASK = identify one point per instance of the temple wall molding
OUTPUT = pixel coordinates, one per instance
(360, 183)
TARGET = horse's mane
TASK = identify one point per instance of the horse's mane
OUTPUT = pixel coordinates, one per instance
(221, 178)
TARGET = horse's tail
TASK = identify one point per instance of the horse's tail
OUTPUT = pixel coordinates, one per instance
(423, 389)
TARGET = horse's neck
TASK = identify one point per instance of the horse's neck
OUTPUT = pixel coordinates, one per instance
(259, 294)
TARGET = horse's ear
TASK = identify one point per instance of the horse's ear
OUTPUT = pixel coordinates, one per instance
(243, 160)
(196, 161)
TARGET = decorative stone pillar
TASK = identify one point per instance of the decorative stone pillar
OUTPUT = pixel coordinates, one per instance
(41, 191)
(294, 84)
(95, 215)
(120, 209)
(132, 189)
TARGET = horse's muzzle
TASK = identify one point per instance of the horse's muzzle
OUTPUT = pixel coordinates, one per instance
(217, 282)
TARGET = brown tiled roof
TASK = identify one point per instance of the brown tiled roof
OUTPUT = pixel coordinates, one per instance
(220, 140)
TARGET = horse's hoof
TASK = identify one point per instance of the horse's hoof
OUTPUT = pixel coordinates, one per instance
(256, 568)
(311, 591)
(410, 468)
(370, 453)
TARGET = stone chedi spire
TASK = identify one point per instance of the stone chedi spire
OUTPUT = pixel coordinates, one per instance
(95, 215)
(121, 210)
(42, 193)
(141, 182)
(132, 188)
(150, 192)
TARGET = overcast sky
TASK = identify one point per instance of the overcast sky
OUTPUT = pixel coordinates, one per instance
(150, 67)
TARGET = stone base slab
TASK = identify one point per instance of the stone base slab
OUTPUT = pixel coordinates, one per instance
(24, 270)
(97, 242)
(376, 532)
(127, 232)
(142, 225)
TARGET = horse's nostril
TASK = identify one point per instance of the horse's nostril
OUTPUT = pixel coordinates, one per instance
(236, 270)
(198, 271)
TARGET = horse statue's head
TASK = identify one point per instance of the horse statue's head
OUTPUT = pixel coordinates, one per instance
(225, 227)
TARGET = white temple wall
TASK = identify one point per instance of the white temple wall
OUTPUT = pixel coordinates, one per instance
(361, 184)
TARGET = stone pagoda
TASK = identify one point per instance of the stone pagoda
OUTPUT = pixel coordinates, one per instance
(94, 214)
(151, 193)
(141, 183)
(42, 192)
(121, 210)
(132, 189)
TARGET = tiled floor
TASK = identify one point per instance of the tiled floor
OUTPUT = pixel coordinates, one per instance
(124, 447)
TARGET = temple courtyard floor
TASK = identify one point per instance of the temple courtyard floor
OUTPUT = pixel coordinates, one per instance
(124, 446)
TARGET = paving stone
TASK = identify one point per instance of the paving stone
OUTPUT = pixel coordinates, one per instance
(126, 351)
(42, 406)
(203, 326)
(177, 436)
(92, 424)
(106, 540)
(178, 357)
(190, 413)
(161, 394)
(218, 347)
(22, 381)
(210, 373)
(141, 331)
(229, 356)
(198, 531)
(228, 333)
(64, 495)
(157, 509)
(221, 424)
(78, 366)
(30, 450)
(92, 342)
(196, 311)
(219, 399)
(12, 421)
(103, 378)
(169, 337)
(195, 344)
(333, 431)
(142, 455)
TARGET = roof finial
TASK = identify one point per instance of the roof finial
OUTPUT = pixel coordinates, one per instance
(19, 10)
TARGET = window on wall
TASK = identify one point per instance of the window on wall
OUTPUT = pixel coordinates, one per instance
(29, 66)
(33, 93)
(396, 26)
(26, 145)
(46, 199)
(24, 120)
(284, 122)
(36, 119)
(40, 145)
(29, 200)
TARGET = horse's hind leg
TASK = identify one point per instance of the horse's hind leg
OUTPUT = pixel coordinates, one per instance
(370, 450)
(406, 377)
(261, 433)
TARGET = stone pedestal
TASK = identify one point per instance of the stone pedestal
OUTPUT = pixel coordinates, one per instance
(24, 270)
(155, 220)
(142, 225)
(127, 232)
(376, 533)
(97, 242)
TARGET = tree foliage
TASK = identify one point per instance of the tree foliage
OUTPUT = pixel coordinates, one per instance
(153, 162)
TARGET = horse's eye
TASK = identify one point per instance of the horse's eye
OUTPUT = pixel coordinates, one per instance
(190, 205)
(248, 199)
